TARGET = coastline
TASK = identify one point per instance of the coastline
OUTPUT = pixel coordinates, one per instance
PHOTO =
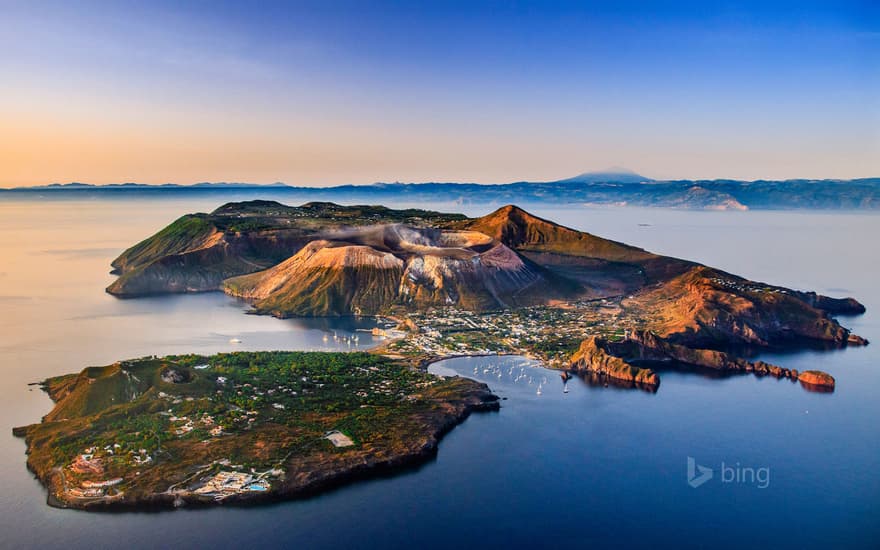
(302, 475)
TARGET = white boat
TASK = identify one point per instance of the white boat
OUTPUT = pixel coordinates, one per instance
(539, 389)
(234, 341)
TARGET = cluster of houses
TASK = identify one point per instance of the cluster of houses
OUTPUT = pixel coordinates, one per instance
(89, 464)
(747, 286)
(451, 331)
(189, 425)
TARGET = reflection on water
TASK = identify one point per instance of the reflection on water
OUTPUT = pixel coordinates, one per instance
(602, 381)
(526, 377)
(520, 372)
(814, 388)
(508, 374)
(661, 367)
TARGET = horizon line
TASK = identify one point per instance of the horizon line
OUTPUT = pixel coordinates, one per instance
(281, 184)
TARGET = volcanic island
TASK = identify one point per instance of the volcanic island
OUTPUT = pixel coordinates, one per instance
(247, 427)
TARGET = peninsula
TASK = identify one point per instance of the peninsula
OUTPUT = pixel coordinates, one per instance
(239, 427)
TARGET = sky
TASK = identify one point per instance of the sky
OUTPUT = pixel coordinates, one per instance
(335, 92)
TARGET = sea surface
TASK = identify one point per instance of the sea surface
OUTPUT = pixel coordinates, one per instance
(593, 466)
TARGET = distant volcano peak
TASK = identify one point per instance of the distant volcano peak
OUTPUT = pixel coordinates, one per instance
(615, 174)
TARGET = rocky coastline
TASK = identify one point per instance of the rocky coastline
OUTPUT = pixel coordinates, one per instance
(624, 360)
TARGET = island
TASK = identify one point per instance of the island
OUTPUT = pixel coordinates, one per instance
(246, 427)
(238, 427)
(508, 282)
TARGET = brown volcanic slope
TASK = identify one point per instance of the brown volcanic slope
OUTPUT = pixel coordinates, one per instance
(603, 266)
(520, 230)
(377, 266)
(683, 301)
(324, 278)
(706, 307)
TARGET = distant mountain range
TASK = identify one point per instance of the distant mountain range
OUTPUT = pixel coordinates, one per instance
(615, 187)
(131, 185)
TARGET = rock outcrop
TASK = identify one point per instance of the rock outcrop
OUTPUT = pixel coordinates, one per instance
(594, 356)
(647, 346)
(817, 378)
(626, 359)
(834, 306)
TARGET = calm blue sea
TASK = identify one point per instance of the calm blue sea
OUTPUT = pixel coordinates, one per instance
(594, 466)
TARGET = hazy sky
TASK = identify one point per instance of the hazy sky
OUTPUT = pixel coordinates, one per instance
(328, 92)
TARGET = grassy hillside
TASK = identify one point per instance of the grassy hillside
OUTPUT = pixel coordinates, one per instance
(186, 233)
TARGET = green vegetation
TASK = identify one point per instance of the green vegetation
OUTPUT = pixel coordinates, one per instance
(142, 426)
(185, 233)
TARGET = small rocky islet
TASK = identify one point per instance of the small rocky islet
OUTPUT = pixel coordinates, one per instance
(192, 430)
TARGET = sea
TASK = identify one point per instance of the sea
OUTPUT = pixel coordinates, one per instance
(704, 462)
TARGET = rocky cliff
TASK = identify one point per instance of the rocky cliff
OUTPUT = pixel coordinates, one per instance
(594, 356)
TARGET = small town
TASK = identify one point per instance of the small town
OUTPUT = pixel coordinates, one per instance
(548, 333)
